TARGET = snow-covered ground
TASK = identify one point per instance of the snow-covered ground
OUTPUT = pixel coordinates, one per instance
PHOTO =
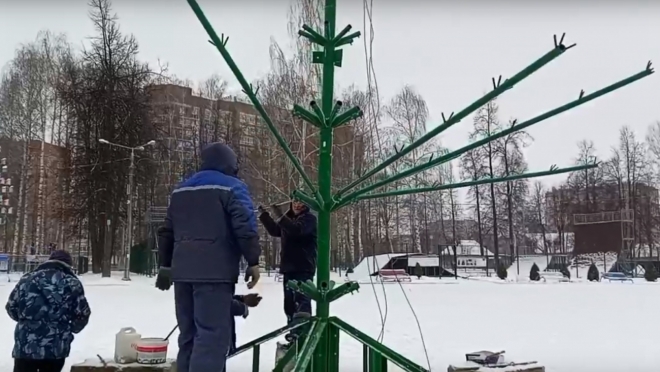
(567, 327)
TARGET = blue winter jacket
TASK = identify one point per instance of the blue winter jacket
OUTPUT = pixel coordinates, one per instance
(49, 307)
(210, 223)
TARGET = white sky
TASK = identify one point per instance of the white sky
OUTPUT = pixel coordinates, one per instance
(447, 52)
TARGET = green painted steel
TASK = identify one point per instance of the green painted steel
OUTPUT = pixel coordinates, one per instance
(320, 338)
(483, 181)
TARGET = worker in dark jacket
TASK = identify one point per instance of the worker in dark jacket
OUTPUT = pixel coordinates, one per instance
(297, 229)
(49, 307)
(210, 224)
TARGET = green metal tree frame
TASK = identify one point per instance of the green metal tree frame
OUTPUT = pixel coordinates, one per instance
(320, 343)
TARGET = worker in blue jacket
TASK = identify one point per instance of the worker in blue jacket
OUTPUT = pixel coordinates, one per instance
(49, 307)
(210, 224)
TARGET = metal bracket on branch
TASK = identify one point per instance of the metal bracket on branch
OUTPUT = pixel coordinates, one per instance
(560, 44)
(223, 41)
(252, 90)
(346, 116)
(341, 38)
(313, 36)
(317, 110)
(310, 117)
(499, 82)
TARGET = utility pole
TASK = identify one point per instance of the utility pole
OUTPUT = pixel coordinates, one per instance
(129, 217)
(129, 212)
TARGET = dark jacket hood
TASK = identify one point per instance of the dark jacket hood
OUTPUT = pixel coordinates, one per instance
(219, 157)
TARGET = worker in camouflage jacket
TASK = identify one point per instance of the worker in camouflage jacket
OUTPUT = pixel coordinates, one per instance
(49, 307)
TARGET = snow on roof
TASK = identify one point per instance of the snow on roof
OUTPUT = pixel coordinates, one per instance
(371, 265)
(424, 261)
(467, 248)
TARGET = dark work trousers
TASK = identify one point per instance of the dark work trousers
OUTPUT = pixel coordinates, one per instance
(203, 312)
(38, 365)
(295, 302)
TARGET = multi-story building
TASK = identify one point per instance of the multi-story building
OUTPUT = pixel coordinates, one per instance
(31, 212)
(185, 122)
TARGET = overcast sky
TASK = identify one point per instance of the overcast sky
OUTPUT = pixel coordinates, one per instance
(447, 52)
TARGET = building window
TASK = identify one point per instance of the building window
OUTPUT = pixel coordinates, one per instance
(195, 113)
(248, 119)
(226, 117)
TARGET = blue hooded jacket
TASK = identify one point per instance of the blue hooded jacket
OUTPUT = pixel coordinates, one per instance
(49, 307)
(210, 222)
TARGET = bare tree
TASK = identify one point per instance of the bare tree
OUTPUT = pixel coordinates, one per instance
(107, 98)
(486, 123)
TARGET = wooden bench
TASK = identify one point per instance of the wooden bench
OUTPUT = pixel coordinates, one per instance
(394, 275)
(617, 277)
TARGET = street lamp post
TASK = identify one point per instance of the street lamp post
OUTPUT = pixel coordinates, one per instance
(129, 192)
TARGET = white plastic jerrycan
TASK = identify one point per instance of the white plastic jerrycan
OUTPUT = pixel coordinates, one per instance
(124, 350)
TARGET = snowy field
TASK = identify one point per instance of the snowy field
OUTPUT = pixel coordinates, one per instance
(597, 327)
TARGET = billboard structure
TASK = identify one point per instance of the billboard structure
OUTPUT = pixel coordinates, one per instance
(600, 232)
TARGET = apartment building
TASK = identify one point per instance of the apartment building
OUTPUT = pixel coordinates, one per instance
(31, 212)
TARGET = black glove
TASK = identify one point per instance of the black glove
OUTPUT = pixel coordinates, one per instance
(252, 275)
(251, 299)
(277, 211)
(164, 279)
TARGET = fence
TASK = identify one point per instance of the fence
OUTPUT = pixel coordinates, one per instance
(27, 263)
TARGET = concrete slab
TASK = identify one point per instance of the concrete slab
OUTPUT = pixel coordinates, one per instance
(474, 367)
(107, 365)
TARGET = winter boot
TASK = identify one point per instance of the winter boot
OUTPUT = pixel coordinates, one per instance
(292, 336)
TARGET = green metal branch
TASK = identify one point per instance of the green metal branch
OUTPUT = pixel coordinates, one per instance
(303, 113)
(483, 181)
(310, 201)
(269, 336)
(309, 346)
(220, 45)
(346, 116)
(454, 154)
(389, 354)
(498, 89)
(313, 36)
